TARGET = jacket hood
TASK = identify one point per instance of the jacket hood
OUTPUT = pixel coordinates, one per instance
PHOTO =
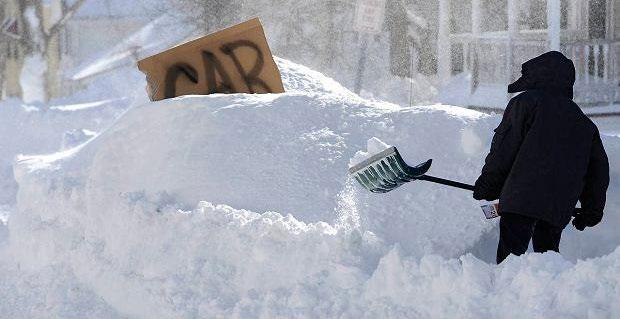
(551, 71)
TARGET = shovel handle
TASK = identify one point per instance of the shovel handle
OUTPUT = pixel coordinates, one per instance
(446, 182)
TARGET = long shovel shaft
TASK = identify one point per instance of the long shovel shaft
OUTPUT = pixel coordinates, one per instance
(446, 182)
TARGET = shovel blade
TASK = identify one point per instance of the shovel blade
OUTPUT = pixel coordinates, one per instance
(386, 171)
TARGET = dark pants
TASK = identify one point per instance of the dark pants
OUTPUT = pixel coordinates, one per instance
(515, 232)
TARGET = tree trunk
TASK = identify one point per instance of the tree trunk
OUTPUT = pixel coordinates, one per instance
(12, 69)
(52, 75)
(12, 52)
(42, 40)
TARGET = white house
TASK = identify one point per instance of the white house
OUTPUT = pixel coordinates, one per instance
(480, 63)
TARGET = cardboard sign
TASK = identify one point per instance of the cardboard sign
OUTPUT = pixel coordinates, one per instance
(234, 60)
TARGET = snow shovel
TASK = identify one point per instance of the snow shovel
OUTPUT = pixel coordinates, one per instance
(387, 170)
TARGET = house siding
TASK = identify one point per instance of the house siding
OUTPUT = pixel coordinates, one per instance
(616, 13)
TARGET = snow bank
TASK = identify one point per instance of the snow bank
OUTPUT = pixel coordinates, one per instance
(40, 129)
(533, 286)
(219, 262)
(112, 224)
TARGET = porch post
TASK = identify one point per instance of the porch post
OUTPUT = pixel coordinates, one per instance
(553, 23)
(444, 68)
(475, 17)
(473, 44)
(513, 29)
(609, 19)
(573, 15)
(608, 49)
(513, 16)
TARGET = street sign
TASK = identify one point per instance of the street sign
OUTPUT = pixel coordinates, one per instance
(369, 16)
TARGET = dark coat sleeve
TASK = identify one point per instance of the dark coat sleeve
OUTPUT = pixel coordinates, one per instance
(506, 143)
(596, 182)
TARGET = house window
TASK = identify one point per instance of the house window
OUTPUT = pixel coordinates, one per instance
(597, 13)
(495, 15)
(534, 14)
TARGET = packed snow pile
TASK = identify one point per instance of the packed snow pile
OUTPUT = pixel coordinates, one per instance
(239, 206)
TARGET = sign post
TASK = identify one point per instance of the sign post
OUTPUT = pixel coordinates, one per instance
(369, 17)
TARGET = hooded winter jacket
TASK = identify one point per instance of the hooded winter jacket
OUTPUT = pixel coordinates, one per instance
(546, 154)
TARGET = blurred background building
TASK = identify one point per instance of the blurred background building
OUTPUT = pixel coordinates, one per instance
(457, 52)
(484, 58)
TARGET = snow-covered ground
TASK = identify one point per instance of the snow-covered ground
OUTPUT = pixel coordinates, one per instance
(609, 125)
(239, 206)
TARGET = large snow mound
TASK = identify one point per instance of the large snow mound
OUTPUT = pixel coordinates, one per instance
(289, 153)
(116, 218)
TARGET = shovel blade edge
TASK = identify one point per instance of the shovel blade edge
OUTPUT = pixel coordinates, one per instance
(387, 171)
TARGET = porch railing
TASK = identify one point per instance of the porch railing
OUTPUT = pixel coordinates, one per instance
(595, 60)
(497, 61)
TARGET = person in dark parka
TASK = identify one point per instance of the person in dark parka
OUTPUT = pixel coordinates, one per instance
(545, 156)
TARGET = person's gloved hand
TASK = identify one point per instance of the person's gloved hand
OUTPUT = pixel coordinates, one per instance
(486, 189)
(480, 192)
(477, 193)
(585, 219)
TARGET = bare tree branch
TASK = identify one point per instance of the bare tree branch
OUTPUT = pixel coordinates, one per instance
(68, 14)
(38, 11)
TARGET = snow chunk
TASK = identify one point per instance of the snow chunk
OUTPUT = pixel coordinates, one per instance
(373, 146)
